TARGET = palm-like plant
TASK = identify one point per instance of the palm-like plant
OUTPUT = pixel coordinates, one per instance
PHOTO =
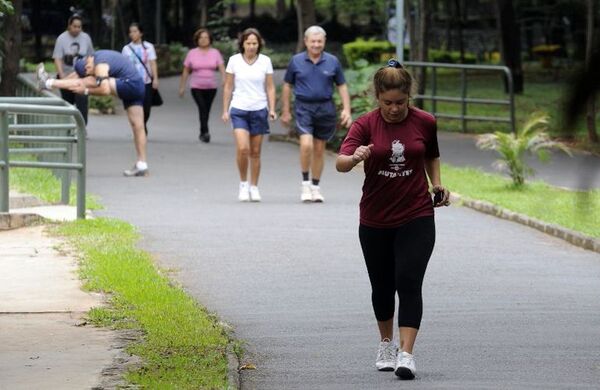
(512, 147)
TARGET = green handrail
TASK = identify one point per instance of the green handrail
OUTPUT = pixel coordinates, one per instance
(38, 106)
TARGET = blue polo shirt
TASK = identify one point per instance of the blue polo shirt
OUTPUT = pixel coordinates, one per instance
(314, 82)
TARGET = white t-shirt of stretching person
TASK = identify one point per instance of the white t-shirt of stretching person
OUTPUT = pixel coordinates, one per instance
(249, 91)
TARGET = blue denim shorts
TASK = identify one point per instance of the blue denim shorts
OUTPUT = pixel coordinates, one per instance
(256, 122)
(131, 91)
(316, 118)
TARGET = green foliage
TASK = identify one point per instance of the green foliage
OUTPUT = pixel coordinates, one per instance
(512, 147)
(6, 7)
(374, 52)
(104, 104)
(226, 46)
(451, 57)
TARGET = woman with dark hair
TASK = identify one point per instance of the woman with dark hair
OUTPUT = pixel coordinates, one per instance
(249, 101)
(143, 56)
(201, 63)
(398, 145)
(70, 46)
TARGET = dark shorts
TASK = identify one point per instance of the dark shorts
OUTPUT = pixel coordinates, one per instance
(256, 122)
(316, 118)
(131, 91)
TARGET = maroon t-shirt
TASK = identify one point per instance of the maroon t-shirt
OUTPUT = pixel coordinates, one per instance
(395, 190)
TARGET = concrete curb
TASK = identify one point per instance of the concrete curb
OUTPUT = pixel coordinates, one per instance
(572, 237)
(10, 221)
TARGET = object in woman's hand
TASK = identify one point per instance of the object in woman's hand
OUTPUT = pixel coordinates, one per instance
(437, 197)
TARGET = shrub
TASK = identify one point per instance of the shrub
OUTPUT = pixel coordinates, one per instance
(451, 57)
(104, 104)
(374, 52)
(512, 147)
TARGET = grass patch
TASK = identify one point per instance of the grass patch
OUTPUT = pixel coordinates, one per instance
(576, 210)
(183, 346)
(42, 184)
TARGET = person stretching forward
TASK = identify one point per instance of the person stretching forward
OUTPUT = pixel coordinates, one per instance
(106, 73)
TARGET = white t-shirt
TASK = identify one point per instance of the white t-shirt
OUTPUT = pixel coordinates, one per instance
(146, 53)
(249, 90)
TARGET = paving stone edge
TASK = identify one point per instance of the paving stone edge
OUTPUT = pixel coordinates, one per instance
(571, 236)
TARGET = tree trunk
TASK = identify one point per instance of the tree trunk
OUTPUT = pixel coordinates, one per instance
(36, 24)
(11, 49)
(252, 9)
(591, 106)
(422, 38)
(280, 10)
(510, 41)
(306, 18)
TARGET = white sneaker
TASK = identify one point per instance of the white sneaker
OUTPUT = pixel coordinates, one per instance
(386, 355)
(306, 194)
(254, 194)
(405, 366)
(244, 194)
(316, 194)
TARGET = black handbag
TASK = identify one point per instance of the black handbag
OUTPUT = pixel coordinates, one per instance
(157, 100)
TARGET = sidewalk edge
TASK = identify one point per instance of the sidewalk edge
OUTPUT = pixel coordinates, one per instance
(572, 237)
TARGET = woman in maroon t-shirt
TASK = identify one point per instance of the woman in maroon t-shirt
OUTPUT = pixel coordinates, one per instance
(398, 144)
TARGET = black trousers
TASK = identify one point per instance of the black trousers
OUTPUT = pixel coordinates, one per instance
(396, 261)
(203, 99)
(80, 101)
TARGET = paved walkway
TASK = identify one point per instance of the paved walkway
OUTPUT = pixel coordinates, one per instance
(43, 341)
(505, 305)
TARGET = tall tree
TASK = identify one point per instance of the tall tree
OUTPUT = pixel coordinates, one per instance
(281, 9)
(306, 18)
(510, 41)
(11, 49)
(589, 50)
(419, 46)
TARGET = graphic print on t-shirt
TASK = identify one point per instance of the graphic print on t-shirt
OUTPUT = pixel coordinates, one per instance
(397, 162)
(397, 155)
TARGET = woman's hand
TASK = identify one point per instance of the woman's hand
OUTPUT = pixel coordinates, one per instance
(445, 201)
(362, 153)
(155, 83)
(225, 116)
(181, 92)
(272, 115)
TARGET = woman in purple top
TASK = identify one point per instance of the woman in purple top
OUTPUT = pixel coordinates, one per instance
(398, 144)
(201, 63)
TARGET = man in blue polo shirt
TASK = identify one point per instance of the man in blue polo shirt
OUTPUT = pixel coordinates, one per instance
(312, 74)
(105, 73)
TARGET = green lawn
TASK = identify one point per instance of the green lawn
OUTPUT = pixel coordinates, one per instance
(571, 209)
(183, 346)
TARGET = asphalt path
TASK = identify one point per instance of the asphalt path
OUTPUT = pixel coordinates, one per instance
(505, 305)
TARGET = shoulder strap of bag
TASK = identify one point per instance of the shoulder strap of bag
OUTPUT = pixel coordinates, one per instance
(141, 62)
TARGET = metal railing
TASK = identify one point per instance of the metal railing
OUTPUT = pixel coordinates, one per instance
(48, 128)
(463, 99)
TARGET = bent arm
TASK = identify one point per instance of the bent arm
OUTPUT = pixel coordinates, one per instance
(432, 167)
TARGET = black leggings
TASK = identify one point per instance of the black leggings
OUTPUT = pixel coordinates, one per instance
(203, 99)
(396, 261)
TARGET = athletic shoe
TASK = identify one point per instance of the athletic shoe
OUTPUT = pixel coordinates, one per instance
(244, 194)
(386, 355)
(135, 171)
(306, 194)
(41, 76)
(254, 194)
(405, 366)
(316, 194)
(204, 137)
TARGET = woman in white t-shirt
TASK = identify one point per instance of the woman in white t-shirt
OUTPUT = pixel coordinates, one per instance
(249, 101)
(143, 56)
